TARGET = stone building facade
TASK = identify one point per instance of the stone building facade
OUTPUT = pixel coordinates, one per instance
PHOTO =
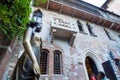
(78, 39)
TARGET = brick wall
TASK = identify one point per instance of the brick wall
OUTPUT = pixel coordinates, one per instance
(73, 57)
(5, 52)
(13, 59)
(4, 63)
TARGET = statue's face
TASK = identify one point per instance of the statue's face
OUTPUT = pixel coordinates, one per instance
(36, 39)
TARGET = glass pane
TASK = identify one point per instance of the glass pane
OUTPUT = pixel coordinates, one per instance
(43, 63)
(57, 59)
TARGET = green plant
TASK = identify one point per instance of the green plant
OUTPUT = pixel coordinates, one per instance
(36, 2)
(14, 15)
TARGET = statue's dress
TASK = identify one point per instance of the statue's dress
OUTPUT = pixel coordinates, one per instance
(23, 69)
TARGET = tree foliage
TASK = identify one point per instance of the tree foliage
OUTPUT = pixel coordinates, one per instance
(14, 15)
(36, 2)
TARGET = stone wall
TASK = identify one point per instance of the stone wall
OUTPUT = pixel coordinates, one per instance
(73, 57)
(6, 46)
(13, 59)
(84, 45)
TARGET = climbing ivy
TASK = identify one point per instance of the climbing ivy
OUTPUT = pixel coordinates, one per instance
(14, 15)
(36, 2)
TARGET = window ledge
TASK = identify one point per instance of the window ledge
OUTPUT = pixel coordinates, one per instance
(83, 32)
(57, 74)
(111, 39)
(44, 75)
(93, 35)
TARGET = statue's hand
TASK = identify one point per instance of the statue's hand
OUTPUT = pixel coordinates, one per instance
(36, 68)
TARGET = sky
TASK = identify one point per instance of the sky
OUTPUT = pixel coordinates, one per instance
(97, 3)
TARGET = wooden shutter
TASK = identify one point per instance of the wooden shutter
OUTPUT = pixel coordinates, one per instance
(109, 70)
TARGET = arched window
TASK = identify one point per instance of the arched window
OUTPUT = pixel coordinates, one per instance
(57, 62)
(91, 66)
(44, 62)
(37, 16)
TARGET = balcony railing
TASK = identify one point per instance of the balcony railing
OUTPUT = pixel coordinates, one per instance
(63, 29)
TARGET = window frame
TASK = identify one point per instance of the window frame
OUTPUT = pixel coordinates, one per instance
(60, 66)
(108, 35)
(90, 29)
(80, 26)
(47, 61)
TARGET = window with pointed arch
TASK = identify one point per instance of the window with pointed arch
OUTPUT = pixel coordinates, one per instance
(44, 61)
(37, 16)
(57, 62)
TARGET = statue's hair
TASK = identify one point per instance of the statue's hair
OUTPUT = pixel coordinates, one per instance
(38, 10)
(32, 24)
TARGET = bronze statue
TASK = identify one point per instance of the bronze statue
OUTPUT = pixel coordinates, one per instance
(27, 67)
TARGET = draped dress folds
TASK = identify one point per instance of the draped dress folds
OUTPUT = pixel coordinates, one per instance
(23, 69)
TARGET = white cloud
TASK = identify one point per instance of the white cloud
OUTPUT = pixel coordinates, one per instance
(98, 3)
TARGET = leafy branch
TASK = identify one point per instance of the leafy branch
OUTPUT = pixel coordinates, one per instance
(14, 15)
(36, 2)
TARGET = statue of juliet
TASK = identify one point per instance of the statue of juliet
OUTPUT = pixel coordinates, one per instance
(27, 67)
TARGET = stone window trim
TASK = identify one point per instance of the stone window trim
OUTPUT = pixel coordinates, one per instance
(93, 35)
(44, 75)
(57, 75)
(112, 39)
(83, 32)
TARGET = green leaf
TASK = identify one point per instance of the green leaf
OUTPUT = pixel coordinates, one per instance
(21, 10)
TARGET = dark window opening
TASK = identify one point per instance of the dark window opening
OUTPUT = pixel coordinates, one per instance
(43, 62)
(91, 66)
(119, 36)
(109, 71)
(57, 62)
(90, 29)
(80, 26)
(108, 34)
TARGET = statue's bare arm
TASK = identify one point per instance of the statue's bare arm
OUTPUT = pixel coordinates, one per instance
(29, 51)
